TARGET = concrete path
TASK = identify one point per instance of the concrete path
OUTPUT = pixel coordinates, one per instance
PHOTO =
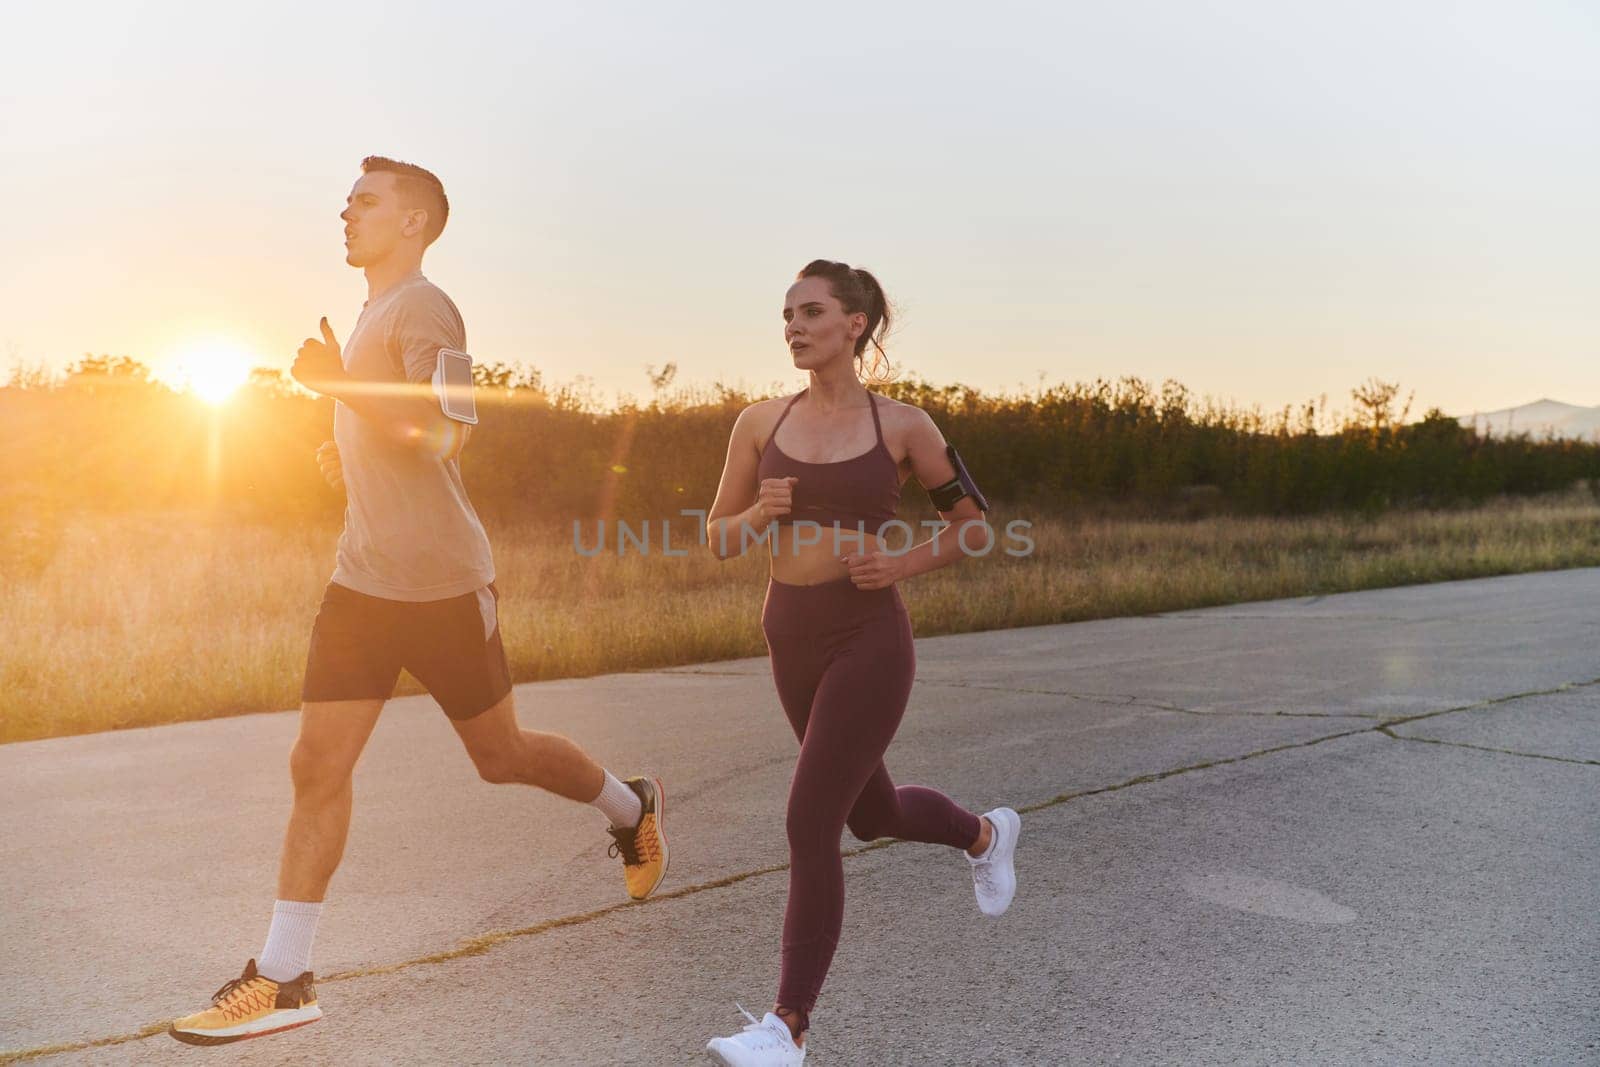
(1354, 829)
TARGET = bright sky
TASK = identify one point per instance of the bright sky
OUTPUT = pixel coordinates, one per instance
(1265, 200)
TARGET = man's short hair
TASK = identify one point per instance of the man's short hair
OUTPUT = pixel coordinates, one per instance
(418, 188)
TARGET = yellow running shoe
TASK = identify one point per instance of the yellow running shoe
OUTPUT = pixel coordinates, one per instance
(250, 1006)
(644, 847)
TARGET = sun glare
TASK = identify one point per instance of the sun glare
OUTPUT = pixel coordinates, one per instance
(213, 371)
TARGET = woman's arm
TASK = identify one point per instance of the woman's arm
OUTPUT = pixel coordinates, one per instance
(746, 505)
(925, 453)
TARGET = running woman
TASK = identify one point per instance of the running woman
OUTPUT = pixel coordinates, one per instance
(820, 474)
(413, 588)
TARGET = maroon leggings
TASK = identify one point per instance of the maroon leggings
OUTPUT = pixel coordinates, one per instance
(843, 661)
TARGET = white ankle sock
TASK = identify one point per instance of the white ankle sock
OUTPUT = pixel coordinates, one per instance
(287, 953)
(619, 803)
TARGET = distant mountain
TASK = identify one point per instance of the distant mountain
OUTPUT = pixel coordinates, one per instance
(1542, 418)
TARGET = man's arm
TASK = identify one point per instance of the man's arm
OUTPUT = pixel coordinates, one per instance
(407, 412)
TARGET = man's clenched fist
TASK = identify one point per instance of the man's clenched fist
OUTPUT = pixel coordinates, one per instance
(317, 365)
(332, 467)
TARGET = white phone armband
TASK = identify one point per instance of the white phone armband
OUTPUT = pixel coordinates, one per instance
(452, 384)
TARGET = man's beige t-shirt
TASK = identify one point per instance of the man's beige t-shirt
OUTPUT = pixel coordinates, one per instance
(410, 532)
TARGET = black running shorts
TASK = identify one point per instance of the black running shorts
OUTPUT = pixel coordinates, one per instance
(359, 644)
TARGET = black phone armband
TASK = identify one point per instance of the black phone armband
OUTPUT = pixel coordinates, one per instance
(945, 496)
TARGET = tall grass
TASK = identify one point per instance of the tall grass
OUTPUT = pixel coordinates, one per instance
(160, 560)
(141, 619)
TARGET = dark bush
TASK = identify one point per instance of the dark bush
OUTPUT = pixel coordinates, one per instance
(109, 438)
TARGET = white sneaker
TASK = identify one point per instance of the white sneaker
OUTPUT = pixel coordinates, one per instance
(994, 876)
(764, 1043)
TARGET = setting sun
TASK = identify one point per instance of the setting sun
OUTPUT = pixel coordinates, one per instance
(213, 370)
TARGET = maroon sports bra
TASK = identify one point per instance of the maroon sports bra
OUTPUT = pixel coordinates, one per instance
(858, 492)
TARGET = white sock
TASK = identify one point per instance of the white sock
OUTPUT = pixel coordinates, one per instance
(287, 953)
(619, 803)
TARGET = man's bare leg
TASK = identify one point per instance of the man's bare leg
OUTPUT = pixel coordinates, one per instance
(275, 992)
(503, 752)
(332, 737)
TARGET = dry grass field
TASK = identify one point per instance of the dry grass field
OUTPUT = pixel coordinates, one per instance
(141, 620)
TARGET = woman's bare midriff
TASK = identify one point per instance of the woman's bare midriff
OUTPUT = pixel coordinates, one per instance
(809, 556)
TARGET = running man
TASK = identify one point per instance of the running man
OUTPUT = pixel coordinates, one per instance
(840, 639)
(413, 588)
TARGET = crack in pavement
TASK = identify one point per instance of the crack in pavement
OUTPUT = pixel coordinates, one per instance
(1120, 699)
(1131, 701)
(477, 946)
(1385, 731)
(1565, 687)
(1190, 615)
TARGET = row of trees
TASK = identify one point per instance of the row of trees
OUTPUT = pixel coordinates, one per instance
(106, 436)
